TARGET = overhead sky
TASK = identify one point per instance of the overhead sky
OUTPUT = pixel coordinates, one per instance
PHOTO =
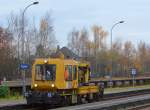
(68, 14)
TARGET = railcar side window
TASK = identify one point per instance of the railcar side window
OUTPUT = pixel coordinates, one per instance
(68, 72)
(74, 72)
(45, 72)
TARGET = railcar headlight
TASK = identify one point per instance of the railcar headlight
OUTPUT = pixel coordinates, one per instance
(45, 61)
(35, 85)
(52, 85)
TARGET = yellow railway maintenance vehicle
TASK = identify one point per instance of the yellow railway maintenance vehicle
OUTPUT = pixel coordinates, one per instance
(62, 81)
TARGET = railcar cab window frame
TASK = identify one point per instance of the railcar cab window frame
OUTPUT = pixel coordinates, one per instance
(45, 72)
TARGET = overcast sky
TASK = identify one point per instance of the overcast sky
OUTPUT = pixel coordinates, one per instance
(84, 13)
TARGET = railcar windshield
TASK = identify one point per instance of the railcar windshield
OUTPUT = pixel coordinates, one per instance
(45, 72)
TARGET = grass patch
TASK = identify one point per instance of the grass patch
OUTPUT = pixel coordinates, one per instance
(4, 91)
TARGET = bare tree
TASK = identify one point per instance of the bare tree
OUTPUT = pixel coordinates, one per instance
(46, 37)
(143, 55)
(99, 35)
(73, 41)
(83, 40)
(8, 61)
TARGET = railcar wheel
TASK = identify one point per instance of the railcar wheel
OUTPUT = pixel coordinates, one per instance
(29, 102)
(96, 96)
(90, 98)
(101, 94)
(79, 99)
(66, 101)
(63, 101)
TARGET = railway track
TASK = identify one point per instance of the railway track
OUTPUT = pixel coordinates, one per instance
(107, 97)
(125, 94)
(23, 107)
(141, 107)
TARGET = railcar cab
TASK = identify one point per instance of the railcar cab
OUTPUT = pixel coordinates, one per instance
(44, 74)
(53, 74)
(83, 73)
(52, 78)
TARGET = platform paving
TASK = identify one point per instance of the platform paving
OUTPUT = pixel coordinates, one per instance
(125, 89)
(11, 102)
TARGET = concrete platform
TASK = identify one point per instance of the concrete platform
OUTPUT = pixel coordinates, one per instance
(11, 102)
(125, 89)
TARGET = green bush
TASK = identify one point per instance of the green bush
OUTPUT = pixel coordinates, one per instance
(3, 91)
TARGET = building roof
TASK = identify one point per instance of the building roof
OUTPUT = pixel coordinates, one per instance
(66, 52)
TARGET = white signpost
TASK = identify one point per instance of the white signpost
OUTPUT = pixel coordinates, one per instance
(133, 72)
(24, 67)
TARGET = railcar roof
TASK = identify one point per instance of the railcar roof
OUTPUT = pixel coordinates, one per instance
(41, 60)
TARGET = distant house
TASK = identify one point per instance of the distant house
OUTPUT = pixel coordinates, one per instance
(68, 54)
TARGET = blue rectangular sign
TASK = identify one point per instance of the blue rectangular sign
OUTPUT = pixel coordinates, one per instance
(133, 72)
(24, 66)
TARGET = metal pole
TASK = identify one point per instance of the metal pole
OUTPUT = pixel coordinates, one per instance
(23, 44)
(18, 55)
(111, 73)
(133, 79)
